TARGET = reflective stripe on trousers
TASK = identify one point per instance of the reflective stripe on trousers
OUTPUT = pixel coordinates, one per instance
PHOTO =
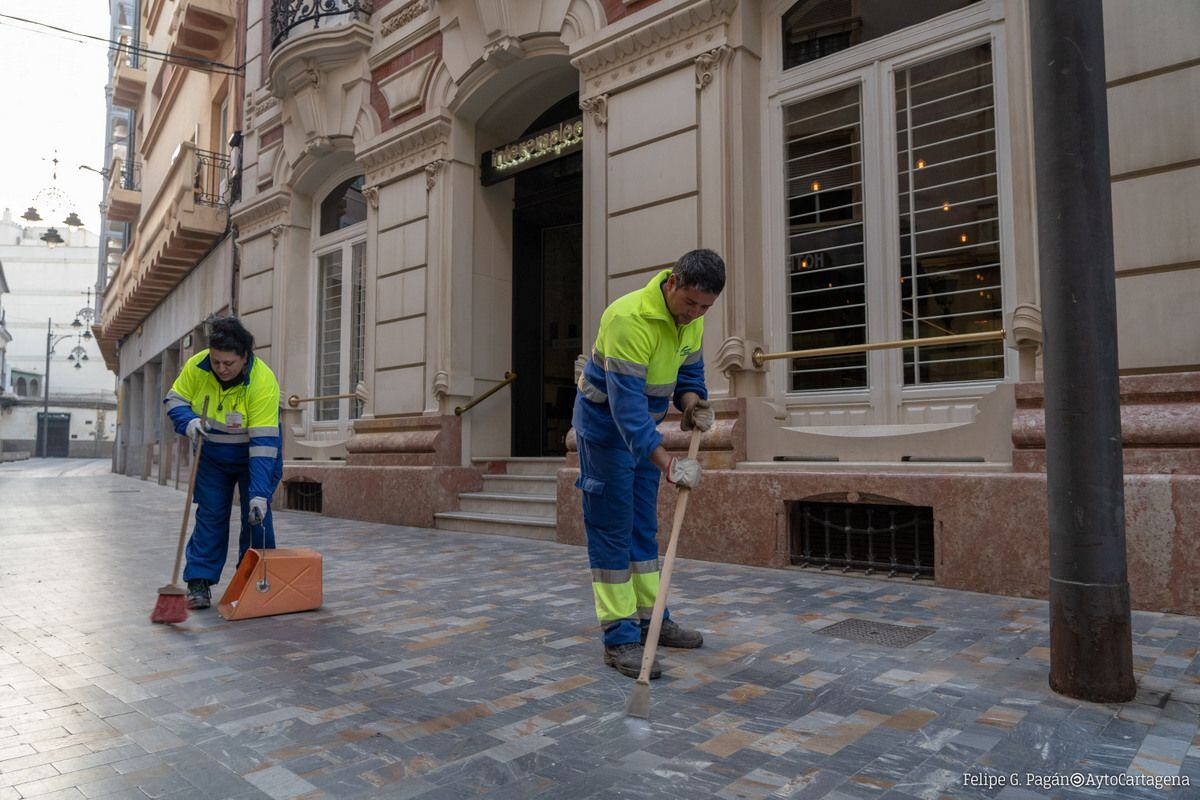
(620, 515)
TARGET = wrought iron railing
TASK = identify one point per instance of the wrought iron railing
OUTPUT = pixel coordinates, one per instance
(287, 15)
(131, 175)
(211, 179)
(870, 537)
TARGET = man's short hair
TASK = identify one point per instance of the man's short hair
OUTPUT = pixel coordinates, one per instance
(702, 269)
(228, 334)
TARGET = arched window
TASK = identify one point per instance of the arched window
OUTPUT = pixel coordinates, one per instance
(21, 387)
(344, 206)
(340, 254)
(33, 387)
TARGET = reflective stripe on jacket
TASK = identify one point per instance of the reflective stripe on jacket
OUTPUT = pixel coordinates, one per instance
(255, 399)
(641, 362)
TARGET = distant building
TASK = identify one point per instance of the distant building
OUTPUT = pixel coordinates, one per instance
(51, 286)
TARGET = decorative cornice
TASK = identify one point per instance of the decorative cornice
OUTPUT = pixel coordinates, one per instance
(706, 65)
(256, 219)
(431, 173)
(632, 51)
(402, 16)
(398, 155)
(596, 106)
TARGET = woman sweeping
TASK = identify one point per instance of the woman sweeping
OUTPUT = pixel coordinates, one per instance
(242, 448)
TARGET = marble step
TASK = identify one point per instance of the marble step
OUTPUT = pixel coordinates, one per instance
(546, 467)
(545, 485)
(525, 527)
(524, 505)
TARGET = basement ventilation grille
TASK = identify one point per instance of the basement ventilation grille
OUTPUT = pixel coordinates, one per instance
(303, 496)
(871, 537)
(884, 634)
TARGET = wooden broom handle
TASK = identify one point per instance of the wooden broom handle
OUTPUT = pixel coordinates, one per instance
(664, 580)
(187, 509)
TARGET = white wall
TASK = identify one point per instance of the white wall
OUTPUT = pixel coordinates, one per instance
(47, 283)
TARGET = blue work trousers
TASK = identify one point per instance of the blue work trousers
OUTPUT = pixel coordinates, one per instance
(620, 515)
(209, 544)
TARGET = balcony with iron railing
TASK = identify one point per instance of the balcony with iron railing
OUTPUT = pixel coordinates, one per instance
(128, 75)
(123, 199)
(292, 18)
(187, 215)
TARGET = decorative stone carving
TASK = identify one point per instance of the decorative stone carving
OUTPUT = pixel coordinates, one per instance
(504, 50)
(407, 152)
(596, 106)
(276, 235)
(431, 172)
(261, 214)
(404, 90)
(441, 384)
(706, 65)
(1025, 327)
(372, 195)
(403, 15)
(734, 355)
(625, 56)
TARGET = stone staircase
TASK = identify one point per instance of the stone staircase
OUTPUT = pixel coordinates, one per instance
(521, 501)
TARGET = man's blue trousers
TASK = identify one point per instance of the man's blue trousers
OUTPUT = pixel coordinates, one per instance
(620, 515)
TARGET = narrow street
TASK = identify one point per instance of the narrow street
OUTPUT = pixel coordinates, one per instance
(447, 665)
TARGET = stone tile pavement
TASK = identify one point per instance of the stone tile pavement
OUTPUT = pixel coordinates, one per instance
(452, 665)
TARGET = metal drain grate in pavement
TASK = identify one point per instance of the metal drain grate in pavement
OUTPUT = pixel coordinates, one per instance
(881, 633)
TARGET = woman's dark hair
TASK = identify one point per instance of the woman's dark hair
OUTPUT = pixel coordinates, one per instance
(702, 269)
(228, 334)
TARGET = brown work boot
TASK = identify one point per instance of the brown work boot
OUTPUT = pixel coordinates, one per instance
(672, 635)
(627, 658)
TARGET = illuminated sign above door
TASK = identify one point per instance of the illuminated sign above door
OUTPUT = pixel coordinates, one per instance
(532, 150)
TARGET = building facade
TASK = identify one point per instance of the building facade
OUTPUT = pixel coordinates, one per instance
(50, 290)
(170, 262)
(438, 195)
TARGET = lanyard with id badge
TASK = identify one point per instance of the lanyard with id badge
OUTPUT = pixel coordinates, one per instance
(233, 418)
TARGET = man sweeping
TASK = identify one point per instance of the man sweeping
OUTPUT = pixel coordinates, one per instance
(647, 354)
(241, 448)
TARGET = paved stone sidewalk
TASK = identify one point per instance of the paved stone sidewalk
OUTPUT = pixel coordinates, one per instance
(449, 665)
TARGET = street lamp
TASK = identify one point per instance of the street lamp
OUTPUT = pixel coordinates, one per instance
(51, 341)
(56, 200)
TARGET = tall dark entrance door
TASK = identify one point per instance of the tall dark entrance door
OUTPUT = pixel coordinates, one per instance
(56, 428)
(547, 303)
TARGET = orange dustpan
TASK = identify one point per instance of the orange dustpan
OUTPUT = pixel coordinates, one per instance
(282, 580)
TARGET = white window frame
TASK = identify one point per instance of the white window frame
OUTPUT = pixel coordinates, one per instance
(344, 240)
(872, 65)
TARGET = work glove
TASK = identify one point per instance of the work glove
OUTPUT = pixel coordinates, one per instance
(195, 429)
(684, 473)
(258, 510)
(698, 415)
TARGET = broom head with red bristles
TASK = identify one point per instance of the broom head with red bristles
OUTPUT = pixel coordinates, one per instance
(171, 606)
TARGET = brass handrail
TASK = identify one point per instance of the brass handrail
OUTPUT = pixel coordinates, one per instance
(509, 377)
(360, 393)
(759, 356)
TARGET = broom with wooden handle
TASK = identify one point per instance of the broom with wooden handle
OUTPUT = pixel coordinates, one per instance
(172, 598)
(639, 701)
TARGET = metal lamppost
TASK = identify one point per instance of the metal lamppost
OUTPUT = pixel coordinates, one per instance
(51, 341)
